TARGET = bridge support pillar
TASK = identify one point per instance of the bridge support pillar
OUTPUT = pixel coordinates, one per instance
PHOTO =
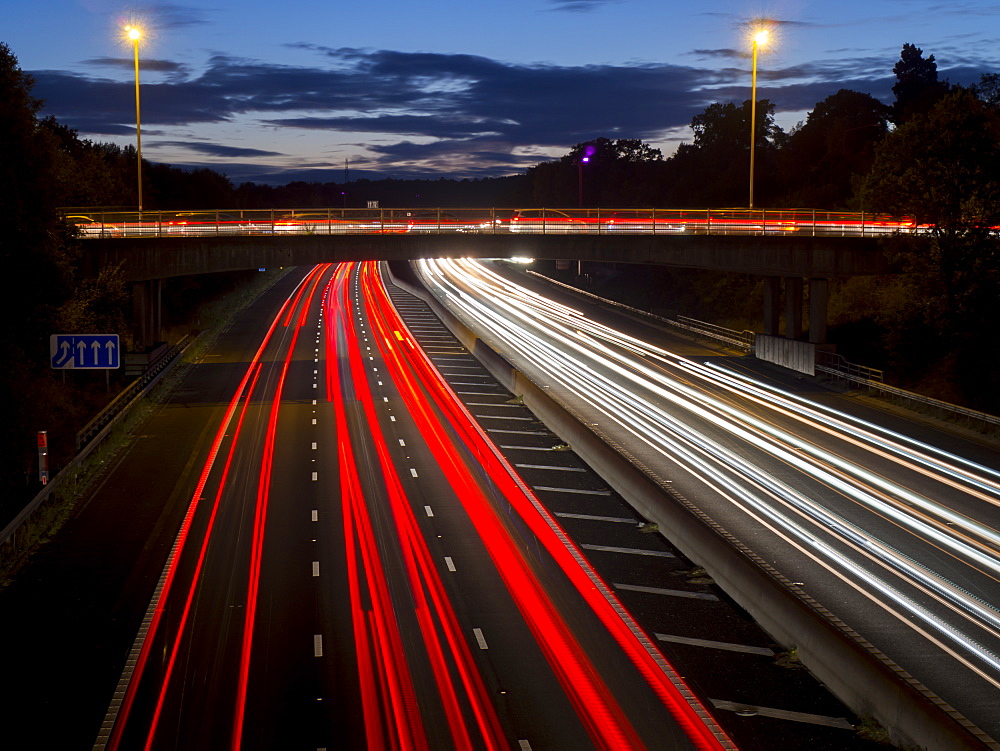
(772, 304)
(793, 307)
(819, 294)
(147, 313)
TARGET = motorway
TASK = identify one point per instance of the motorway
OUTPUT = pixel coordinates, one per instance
(895, 535)
(358, 566)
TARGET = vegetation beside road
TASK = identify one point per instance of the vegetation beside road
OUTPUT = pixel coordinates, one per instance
(933, 153)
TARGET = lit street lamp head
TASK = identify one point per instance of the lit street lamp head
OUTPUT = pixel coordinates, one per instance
(760, 38)
(134, 33)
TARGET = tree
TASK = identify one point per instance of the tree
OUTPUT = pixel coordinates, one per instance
(620, 172)
(834, 147)
(714, 170)
(942, 167)
(988, 90)
(917, 86)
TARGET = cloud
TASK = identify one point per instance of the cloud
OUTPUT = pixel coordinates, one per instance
(463, 114)
(148, 64)
(216, 149)
(579, 6)
(163, 16)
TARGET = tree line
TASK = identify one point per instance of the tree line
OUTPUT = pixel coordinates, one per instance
(933, 153)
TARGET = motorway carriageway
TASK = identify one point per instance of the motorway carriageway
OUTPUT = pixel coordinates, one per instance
(460, 616)
(896, 536)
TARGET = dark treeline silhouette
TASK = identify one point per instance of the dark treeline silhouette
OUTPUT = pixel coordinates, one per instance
(933, 153)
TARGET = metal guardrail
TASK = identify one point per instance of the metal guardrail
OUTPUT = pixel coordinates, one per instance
(951, 410)
(745, 340)
(831, 362)
(92, 223)
(19, 535)
(740, 339)
(125, 397)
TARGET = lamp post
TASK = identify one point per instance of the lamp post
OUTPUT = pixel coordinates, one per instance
(579, 180)
(134, 35)
(759, 39)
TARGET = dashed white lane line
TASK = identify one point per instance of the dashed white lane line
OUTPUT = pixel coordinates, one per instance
(480, 638)
(314, 445)
(413, 472)
(631, 551)
(784, 714)
(429, 511)
(550, 467)
(315, 476)
(391, 417)
(591, 517)
(525, 746)
(571, 490)
(449, 563)
(402, 442)
(314, 421)
(724, 645)
(315, 568)
(665, 592)
(315, 515)
(385, 398)
(317, 645)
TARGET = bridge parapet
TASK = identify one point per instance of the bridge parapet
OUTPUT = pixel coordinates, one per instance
(97, 223)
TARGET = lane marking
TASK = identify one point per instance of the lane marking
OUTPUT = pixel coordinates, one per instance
(504, 417)
(314, 421)
(429, 511)
(546, 466)
(315, 515)
(665, 592)
(315, 568)
(385, 398)
(727, 646)
(480, 638)
(317, 645)
(784, 714)
(392, 418)
(314, 445)
(315, 476)
(449, 563)
(571, 490)
(525, 746)
(592, 517)
(413, 472)
(630, 551)
(402, 442)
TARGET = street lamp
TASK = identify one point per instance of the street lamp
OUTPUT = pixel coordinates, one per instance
(579, 179)
(134, 34)
(759, 39)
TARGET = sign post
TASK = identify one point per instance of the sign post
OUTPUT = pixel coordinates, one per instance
(84, 351)
(43, 456)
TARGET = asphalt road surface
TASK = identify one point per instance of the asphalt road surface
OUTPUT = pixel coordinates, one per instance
(890, 525)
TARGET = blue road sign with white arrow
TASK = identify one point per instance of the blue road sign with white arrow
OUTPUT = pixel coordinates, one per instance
(84, 351)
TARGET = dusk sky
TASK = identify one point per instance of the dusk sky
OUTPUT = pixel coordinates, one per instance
(271, 91)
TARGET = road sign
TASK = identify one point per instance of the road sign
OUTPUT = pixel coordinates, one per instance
(84, 351)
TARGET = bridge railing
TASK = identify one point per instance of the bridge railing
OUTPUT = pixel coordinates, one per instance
(98, 223)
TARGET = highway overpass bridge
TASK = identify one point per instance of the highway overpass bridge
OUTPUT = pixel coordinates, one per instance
(788, 248)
